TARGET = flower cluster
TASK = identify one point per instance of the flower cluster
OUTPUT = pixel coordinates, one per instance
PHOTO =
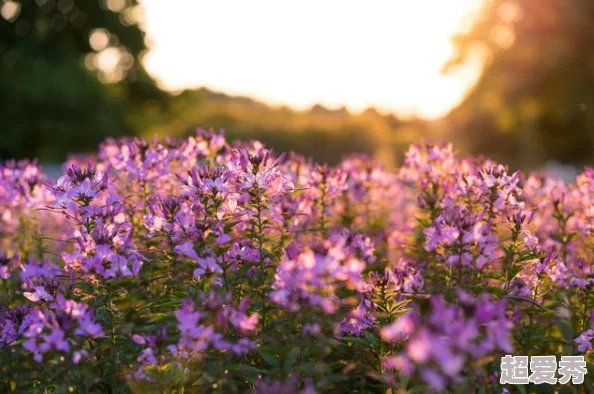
(58, 326)
(197, 265)
(313, 275)
(439, 346)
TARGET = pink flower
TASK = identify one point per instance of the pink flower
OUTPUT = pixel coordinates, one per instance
(38, 295)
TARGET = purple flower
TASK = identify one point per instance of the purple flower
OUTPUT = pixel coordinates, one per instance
(56, 328)
(314, 275)
(474, 329)
(38, 295)
(5, 270)
(360, 319)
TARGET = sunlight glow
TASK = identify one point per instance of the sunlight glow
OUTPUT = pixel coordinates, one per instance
(387, 54)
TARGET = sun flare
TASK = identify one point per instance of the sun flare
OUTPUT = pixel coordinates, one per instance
(386, 54)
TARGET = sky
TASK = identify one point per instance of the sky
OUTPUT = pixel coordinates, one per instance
(386, 54)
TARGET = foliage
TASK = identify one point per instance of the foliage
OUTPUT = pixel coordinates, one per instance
(326, 135)
(56, 98)
(534, 99)
(196, 266)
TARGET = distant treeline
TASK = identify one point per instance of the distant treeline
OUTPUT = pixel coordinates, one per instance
(326, 135)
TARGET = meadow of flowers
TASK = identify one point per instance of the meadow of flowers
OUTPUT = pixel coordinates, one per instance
(195, 265)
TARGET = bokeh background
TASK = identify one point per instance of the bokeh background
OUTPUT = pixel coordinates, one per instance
(511, 79)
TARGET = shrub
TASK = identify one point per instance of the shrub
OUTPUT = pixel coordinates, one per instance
(197, 266)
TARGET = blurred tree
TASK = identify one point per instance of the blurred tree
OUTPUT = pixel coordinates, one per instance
(535, 98)
(71, 74)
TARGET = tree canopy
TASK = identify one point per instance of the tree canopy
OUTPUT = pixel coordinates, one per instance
(535, 98)
(71, 74)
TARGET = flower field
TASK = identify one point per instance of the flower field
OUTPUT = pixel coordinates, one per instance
(200, 265)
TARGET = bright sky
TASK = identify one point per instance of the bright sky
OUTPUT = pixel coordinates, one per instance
(382, 53)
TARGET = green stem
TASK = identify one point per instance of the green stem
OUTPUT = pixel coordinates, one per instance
(260, 238)
(114, 372)
(529, 328)
(323, 202)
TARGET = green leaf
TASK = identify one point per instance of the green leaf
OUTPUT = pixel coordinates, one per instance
(521, 388)
(246, 368)
(372, 339)
(270, 358)
(291, 359)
